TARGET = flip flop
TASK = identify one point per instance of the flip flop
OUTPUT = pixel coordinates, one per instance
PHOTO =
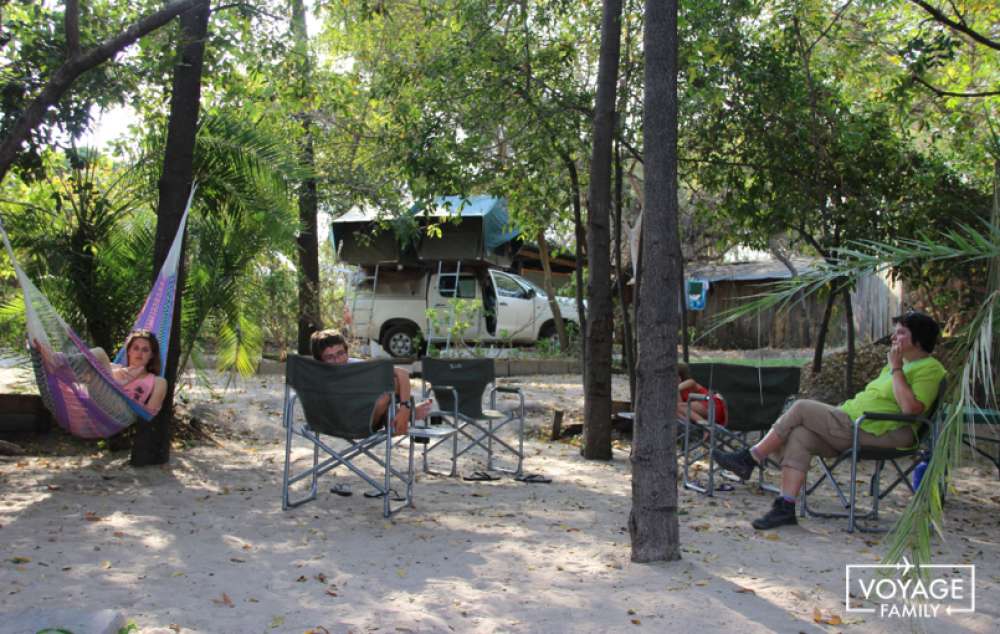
(343, 490)
(533, 478)
(480, 476)
(394, 495)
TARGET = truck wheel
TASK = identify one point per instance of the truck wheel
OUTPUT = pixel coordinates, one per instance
(548, 331)
(401, 341)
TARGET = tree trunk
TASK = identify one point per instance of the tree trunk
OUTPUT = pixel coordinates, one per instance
(849, 366)
(574, 185)
(152, 442)
(76, 64)
(824, 326)
(653, 523)
(597, 396)
(685, 343)
(543, 253)
(627, 357)
(309, 320)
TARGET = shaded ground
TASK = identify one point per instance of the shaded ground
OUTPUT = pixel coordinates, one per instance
(201, 544)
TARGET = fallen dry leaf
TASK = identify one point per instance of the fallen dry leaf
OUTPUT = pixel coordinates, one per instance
(20, 560)
(773, 537)
(91, 516)
(224, 600)
(742, 590)
(817, 615)
(834, 620)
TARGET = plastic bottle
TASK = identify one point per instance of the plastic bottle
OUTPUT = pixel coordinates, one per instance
(918, 473)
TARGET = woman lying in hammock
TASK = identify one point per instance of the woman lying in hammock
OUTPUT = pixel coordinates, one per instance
(139, 377)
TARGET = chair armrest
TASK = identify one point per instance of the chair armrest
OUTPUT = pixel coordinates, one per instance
(507, 390)
(902, 418)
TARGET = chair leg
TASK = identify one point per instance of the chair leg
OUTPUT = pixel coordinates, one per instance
(287, 479)
(854, 489)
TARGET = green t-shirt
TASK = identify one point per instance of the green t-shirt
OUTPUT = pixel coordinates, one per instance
(923, 375)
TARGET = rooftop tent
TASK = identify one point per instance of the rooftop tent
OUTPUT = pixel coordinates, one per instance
(473, 228)
(358, 240)
(483, 229)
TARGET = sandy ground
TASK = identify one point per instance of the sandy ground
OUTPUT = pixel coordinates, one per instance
(202, 545)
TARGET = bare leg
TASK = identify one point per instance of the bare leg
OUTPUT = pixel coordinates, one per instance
(102, 356)
(423, 408)
(767, 445)
(791, 481)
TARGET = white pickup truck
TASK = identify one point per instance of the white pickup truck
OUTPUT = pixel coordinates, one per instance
(393, 308)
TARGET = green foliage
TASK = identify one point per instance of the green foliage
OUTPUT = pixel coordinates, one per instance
(453, 321)
(85, 230)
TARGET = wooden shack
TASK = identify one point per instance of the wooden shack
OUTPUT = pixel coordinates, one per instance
(874, 300)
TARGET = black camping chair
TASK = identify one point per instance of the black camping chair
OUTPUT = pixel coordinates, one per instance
(755, 397)
(338, 401)
(880, 456)
(458, 386)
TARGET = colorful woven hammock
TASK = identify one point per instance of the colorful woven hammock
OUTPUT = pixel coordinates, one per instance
(75, 386)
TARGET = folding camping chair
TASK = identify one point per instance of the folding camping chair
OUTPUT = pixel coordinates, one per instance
(880, 456)
(755, 397)
(338, 401)
(458, 386)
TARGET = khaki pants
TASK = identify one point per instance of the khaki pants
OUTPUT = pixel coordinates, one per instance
(810, 428)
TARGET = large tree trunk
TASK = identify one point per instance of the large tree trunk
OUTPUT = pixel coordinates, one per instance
(309, 320)
(653, 524)
(597, 396)
(76, 64)
(152, 442)
(543, 254)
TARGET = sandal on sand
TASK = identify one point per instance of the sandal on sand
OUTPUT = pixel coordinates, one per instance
(393, 495)
(343, 490)
(480, 476)
(533, 478)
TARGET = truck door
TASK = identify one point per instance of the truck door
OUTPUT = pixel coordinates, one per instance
(452, 305)
(515, 309)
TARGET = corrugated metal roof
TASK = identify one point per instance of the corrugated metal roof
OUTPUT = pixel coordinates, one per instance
(758, 270)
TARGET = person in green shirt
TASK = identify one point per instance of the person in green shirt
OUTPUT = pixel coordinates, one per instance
(907, 385)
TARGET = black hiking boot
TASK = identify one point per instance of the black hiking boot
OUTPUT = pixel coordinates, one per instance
(783, 512)
(739, 462)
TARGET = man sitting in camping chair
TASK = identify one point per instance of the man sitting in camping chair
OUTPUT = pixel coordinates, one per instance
(329, 346)
(907, 385)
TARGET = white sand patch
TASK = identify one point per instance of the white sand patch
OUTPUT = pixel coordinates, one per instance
(202, 545)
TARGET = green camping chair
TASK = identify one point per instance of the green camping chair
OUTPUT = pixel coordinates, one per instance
(338, 402)
(458, 386)
(880, 456)
(755, 397)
